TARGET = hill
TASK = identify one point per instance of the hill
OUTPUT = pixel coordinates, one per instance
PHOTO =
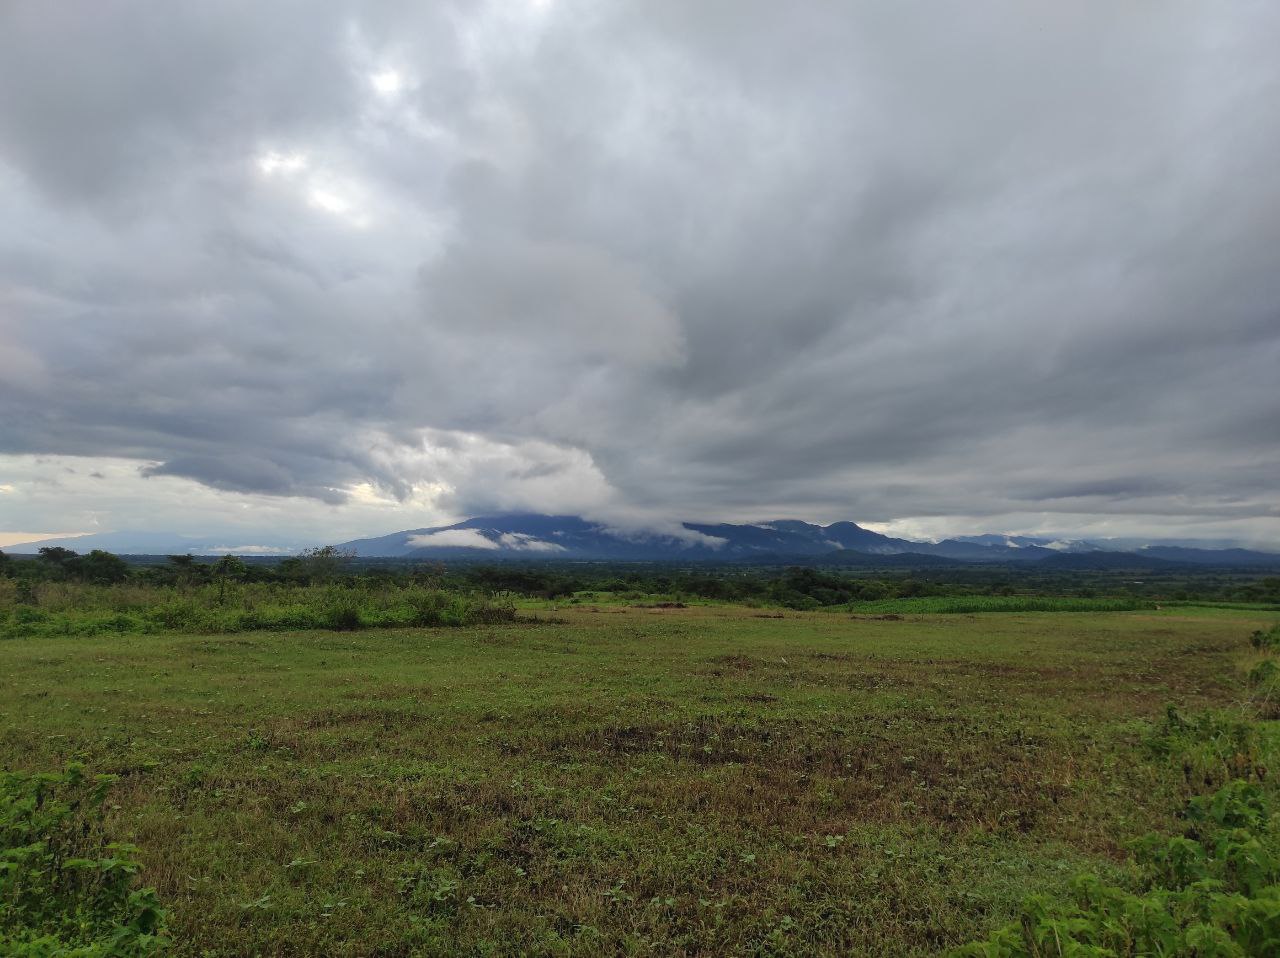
(532, 536)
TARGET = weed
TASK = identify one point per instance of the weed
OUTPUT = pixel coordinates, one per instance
(1269, 640)
(1217, 893)
(1211, 749)
(1212, 891)
(64, 890)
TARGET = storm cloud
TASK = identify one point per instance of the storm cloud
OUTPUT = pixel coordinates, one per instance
(1009, 266)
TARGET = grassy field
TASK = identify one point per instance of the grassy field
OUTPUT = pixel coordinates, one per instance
(707, 780)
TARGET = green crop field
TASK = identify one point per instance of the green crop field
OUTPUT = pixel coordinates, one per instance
(707, 780)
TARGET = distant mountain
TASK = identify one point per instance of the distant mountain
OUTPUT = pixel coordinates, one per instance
(848, 558)
(534, 536)
(155, 543)
(1108, 562)
(1235, 557)
(571, 537)
(1022, 542)
(977, 552)
(531, 536)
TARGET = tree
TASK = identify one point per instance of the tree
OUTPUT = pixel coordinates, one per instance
(323, 564)
(56, 555)
(100, 567)
(185, 568)
(228, 569)
(5, 563)
(55, 561)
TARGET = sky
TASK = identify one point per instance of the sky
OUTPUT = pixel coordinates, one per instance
(300, 272)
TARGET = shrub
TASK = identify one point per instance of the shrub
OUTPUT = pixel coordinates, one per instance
(1269, 640)
(424, 607)
(342, 615)
(1264, 672)
(1212, 892)
(492, 613)
(64, 890)
(79, 609)
(1212, 748)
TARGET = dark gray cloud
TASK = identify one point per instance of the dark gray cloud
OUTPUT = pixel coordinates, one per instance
(717, 259)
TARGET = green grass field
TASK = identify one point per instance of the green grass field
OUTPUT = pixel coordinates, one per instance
(709, 780)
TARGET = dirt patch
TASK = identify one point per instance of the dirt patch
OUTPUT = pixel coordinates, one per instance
(733, 662)
(961, 775)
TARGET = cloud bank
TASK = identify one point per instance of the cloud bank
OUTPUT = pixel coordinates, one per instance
(1011, 266)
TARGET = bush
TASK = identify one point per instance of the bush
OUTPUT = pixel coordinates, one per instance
(1212, 748)
(1264, 672)
(79, 609)
(64, 890)
(1212, 892)
(342, 615)
(1269, 640)
(424, 607)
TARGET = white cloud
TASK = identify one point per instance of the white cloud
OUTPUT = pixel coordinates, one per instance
(641, 526)
(252, 550)
(453, 538)
(526, 543)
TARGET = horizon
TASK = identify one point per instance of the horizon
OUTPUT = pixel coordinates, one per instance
(1051, 540)
(950, 272)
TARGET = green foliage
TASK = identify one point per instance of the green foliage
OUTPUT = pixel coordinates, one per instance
(342, 614)
(1264, 673)
(1213, 892)
(961, 588)
(226, 606)
(1212, 749)
(1269, 640)
(318, 566)
(56, 556)
(64, 890)
(100, 567)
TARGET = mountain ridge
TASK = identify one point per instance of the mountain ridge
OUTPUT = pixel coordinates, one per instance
(525, 535)
(533, 536)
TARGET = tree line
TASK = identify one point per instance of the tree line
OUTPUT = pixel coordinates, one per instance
(796, 587)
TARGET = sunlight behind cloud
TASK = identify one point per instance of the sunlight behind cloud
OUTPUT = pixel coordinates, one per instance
(329, 202)
(387, 83)
(274, 162)
(338, 203)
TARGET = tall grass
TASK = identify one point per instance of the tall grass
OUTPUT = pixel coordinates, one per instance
(64, 608)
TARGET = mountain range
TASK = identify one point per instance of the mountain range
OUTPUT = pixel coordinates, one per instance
(532, 536)
(571, 537)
